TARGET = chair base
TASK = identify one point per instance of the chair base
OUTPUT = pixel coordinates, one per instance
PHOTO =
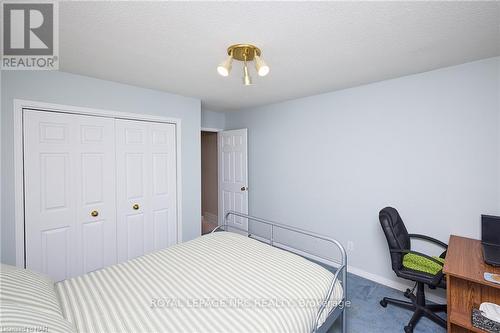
(419, 307)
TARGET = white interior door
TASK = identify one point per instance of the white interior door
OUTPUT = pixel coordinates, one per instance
(146, 187)
(68, 174)
(233, 176)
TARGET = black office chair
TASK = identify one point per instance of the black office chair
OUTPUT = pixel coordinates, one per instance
(399, 242)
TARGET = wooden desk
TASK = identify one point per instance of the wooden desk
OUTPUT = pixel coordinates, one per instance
(466, 287)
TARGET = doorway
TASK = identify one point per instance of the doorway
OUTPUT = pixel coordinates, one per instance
(209, 182)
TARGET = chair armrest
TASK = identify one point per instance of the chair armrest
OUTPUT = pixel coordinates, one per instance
(430, 239)
(419, 254)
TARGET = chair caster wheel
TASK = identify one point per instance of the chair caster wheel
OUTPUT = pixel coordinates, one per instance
(408, 329)
(383, 303)
(407, 293)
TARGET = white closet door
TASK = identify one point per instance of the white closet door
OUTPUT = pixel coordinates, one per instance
(68, 170)
(164, 187)
(96, 192)
(146, 187)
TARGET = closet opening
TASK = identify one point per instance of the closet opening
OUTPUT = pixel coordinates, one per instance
(209, 182)
(106, 178)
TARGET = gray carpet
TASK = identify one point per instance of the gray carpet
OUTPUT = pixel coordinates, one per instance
(367, 316)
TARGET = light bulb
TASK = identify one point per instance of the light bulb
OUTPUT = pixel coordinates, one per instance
(225, 67)
(261, 66)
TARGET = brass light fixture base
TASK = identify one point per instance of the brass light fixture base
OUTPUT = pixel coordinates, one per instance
(243, 52)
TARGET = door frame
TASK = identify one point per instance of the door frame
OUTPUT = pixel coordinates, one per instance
(210, 129)
(20, 104)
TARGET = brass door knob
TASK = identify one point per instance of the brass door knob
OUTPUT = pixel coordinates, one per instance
(94, 213)
(135, 206)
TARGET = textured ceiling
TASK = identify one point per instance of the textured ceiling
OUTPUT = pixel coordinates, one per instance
(311, 47)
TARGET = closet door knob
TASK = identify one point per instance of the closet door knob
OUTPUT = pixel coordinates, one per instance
(135, 206)
(243, 188)
(94, 213)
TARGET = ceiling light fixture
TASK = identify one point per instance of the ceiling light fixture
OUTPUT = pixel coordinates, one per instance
(244, 53)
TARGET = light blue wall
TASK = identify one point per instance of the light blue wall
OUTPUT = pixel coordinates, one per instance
(212, 119)
(427, 144)
(69, 89)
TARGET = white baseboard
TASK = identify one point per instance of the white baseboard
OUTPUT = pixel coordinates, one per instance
(359, 272)
(392, 283)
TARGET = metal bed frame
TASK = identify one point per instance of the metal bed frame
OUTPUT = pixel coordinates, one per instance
(340, 309)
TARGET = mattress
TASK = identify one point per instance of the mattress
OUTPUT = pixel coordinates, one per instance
(220, 282)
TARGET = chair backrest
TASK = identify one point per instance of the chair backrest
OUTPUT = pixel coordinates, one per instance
(395, 233)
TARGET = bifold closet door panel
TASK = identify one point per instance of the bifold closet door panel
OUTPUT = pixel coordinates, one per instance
(146, 187)
(70, 222)
(164, 187)
(96, 195)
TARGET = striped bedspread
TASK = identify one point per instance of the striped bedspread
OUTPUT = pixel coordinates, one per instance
(221, 282)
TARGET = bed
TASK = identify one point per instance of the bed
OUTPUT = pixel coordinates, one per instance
(220, 282)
